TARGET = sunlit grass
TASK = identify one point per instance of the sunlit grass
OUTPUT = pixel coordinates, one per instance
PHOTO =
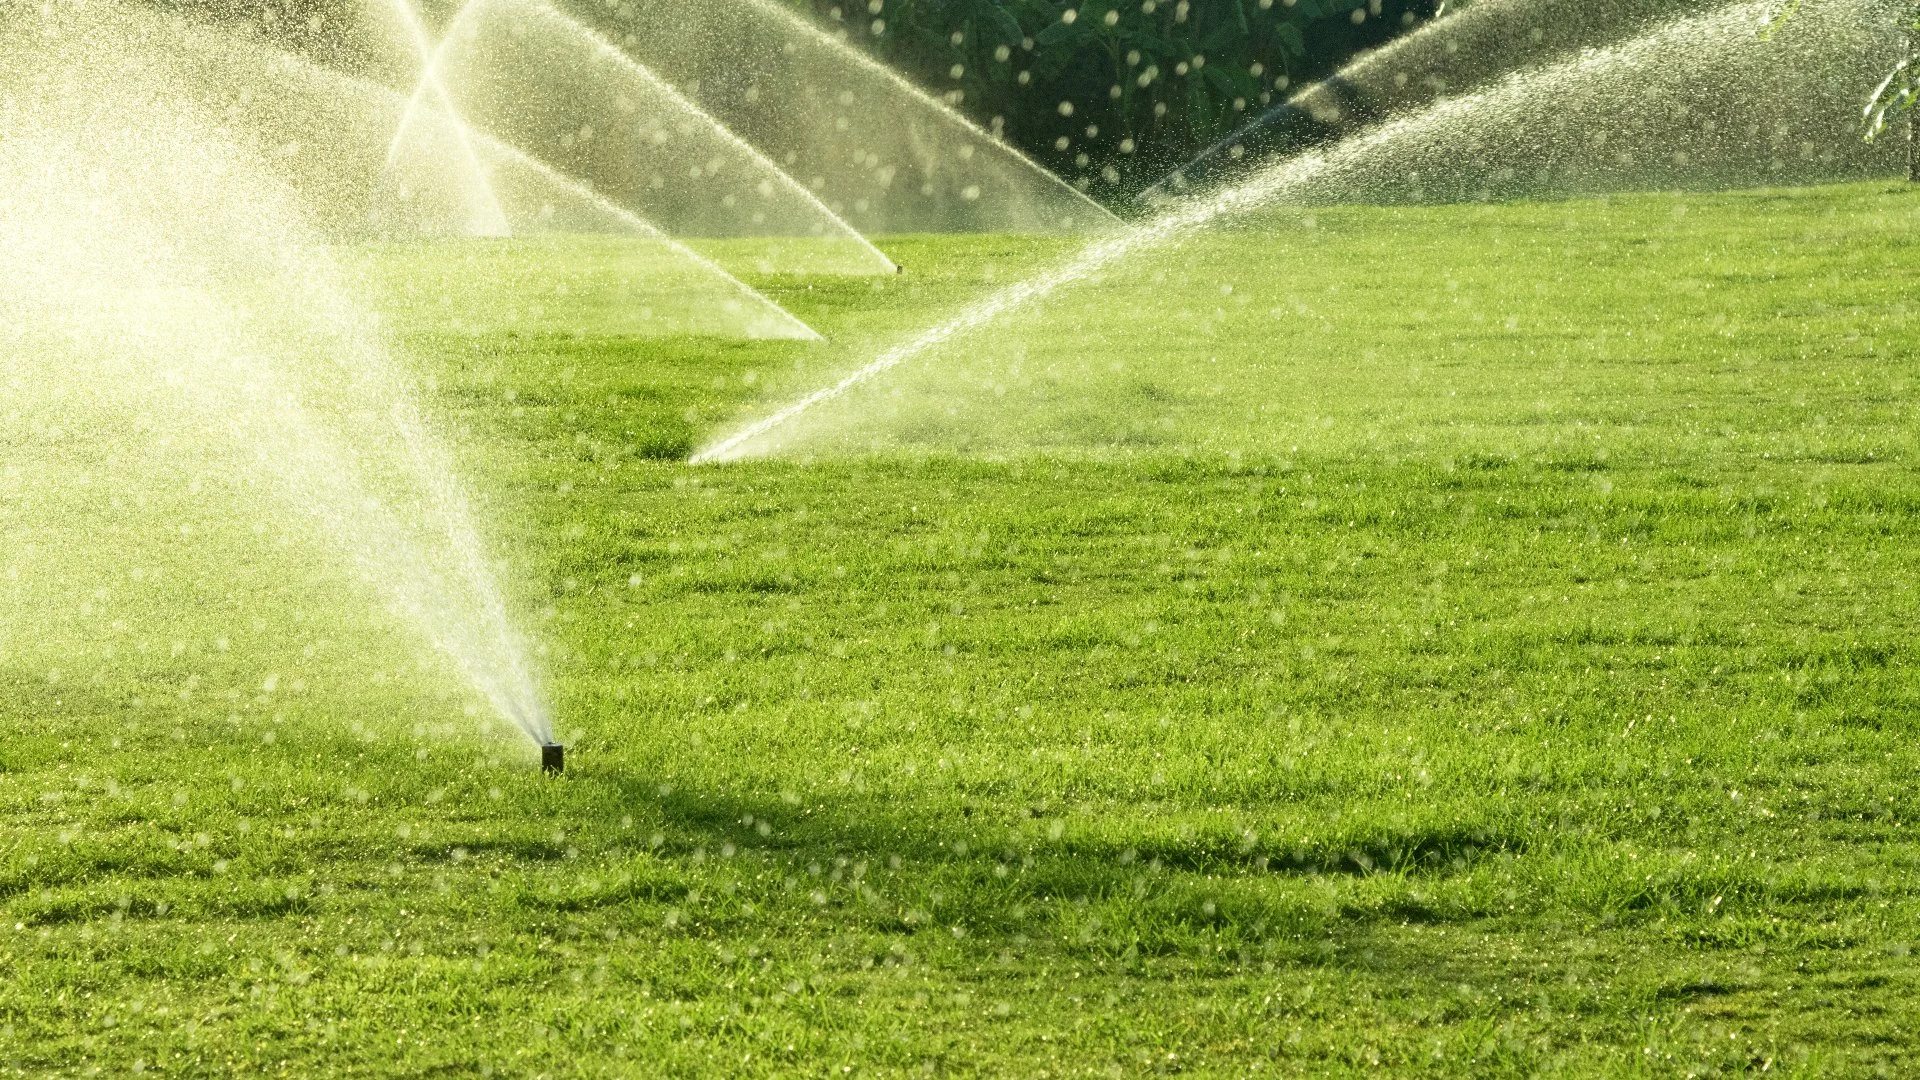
(1575, 739)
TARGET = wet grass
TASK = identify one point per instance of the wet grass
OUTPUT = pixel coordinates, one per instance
(1489, 755)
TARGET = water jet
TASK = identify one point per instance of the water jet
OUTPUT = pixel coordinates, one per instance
(395, 184)
(1457, 52)
(485, 217)
(164, 281)
(1699, 102)
(533, 76)
(885, 154)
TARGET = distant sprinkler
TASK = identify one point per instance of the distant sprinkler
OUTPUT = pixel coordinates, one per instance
(553, 759)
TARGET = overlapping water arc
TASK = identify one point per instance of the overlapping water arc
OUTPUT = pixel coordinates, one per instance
(458, 148)
(1704, 100)
(823, 146)
(145, 257)
(1460, 51)
(616, 125)
(247, 170)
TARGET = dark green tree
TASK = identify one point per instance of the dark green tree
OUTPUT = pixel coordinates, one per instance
(1114, 93)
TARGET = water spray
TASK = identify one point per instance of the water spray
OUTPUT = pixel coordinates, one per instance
(643, 81)
(487, 218)
(1165, 229)
(1507, 123)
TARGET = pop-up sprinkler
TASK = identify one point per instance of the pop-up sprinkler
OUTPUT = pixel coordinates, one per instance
(553, 759)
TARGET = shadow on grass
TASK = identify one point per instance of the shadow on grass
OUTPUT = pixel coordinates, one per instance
(874, 866)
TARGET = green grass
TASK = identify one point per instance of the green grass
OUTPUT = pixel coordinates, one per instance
(1517, 697)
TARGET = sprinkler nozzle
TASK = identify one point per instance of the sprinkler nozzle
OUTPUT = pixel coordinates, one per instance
(553, 759)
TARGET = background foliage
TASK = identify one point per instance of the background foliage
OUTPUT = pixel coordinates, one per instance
(1110, 94)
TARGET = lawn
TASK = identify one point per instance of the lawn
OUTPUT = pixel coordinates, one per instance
(1468, 640)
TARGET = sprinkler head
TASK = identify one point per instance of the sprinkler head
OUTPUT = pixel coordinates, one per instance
(553, 759)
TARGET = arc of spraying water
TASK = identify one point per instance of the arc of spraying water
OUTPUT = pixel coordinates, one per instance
(165, 276)
(492, 144)
(491, 220)
(611, 52)
(1298, 101)
(793, 20)
(1482, 41)
(648, 228)
(1264, 188)
(1014, 297)
(1164, 229)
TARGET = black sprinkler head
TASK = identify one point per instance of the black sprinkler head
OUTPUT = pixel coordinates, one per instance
(553, 759)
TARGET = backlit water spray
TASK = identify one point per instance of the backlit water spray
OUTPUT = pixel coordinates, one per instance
(1460, 51)
(156, 270)
(1071, 204)
(1534, 133)
(532, 75)
(887, 155)
(485, 217)
(1090, 262)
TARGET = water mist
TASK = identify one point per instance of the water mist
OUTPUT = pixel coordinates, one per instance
(1702, 102)
(158, 271)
